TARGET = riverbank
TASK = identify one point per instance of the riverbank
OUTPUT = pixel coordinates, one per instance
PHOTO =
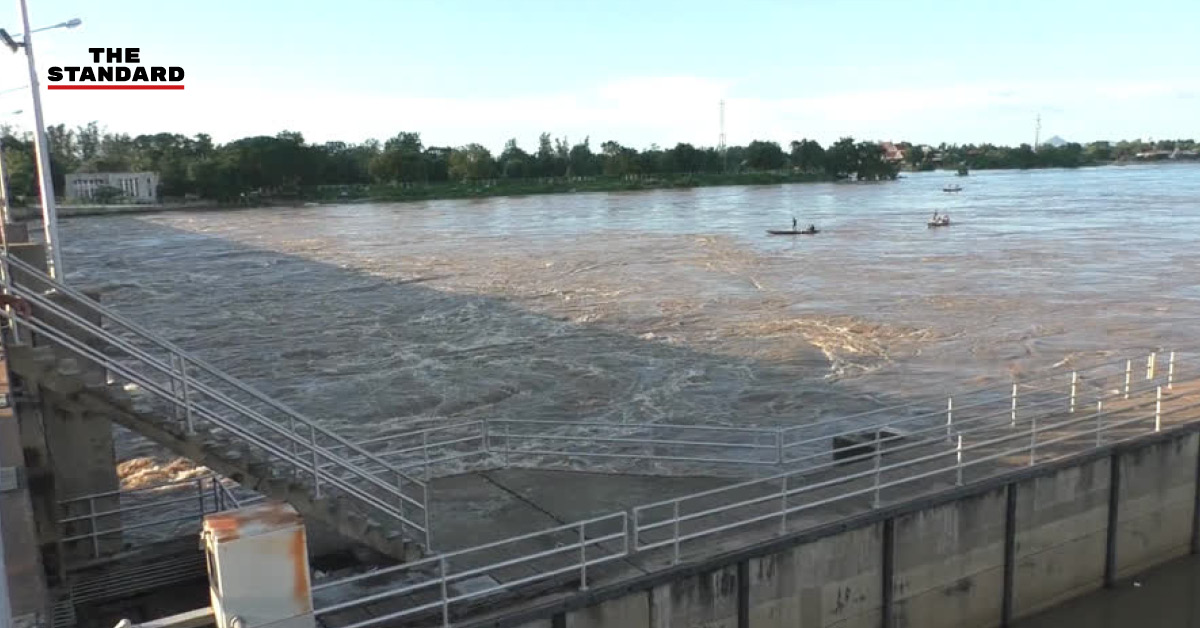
(550, 185)
(391, 193)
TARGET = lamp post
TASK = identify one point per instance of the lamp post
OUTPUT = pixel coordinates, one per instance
(45, 177)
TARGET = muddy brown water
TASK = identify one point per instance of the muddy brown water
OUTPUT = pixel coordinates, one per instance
(665, 306)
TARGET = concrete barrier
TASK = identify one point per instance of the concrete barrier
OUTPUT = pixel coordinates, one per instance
(982, 555)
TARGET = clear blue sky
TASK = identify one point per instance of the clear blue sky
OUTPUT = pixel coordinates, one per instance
(637, 72)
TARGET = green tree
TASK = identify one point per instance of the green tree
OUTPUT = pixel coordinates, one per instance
(471, 162)
(762, 155)
(514, 162)
(841, 159)
(807, 155)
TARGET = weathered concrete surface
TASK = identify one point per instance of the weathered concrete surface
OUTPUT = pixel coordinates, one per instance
(1061, 532)
(1154, 518)
(518, 501)
(631, 611)
(835, 581)
(950, 564)
(706, 600)
(22, 566)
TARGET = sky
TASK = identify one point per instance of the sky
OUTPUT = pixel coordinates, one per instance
(638, 72)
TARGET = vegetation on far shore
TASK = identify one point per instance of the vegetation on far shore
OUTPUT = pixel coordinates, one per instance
(286, 167)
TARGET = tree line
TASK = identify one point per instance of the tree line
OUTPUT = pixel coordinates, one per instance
(285, 164)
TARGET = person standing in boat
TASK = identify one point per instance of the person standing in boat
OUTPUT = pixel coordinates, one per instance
(794, 223)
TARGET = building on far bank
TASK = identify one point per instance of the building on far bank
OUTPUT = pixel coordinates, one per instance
(891, 152)
(140, 187)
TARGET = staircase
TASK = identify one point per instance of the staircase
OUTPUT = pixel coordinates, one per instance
(208, 416)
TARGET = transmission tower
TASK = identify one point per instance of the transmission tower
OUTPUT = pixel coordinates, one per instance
(1037, 133)
(721, 139)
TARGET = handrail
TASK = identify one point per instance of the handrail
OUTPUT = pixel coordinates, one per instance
(197, 496)
(740, 509)
(252, 438)
(997, 387)
(163, 343)
(436, 588)
(191, 406)
(676, 518)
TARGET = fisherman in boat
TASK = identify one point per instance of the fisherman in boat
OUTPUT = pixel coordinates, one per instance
(812, 228)
(935, 217)
(794, 227)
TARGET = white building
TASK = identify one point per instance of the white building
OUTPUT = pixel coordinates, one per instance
(141, 187)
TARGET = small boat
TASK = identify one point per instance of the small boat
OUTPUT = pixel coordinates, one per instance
(793, 232)
(940, 222)
(952, 188)
(962, 171)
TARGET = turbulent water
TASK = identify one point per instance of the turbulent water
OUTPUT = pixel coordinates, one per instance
(669, 306)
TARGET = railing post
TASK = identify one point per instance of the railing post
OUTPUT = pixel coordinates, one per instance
(1074, 388)
(959, 456)
(507, 445)
(583, 585)
(1014, 405)
(1158, 409)
(187, 395)
(949, 419)
(1099, 422)
(425, 508)
(675, 528)
(200, 494)
(1171, 371)
(400, 497)
(1150, 365)
(445, 593)
(425, 451)
(175, 412)
(294, 438)
(878, 466)
(91, 524)
(779, 446)
(316, 468)
(783, 507)
(1128, 376)
(1032, 439)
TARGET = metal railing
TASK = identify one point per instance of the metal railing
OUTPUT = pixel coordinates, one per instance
(981, 441)
(723, 450)
(980, 445)
(197, 396)
(148, 512)
(435, 585)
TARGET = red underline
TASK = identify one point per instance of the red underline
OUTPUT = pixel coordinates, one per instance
(114, 87)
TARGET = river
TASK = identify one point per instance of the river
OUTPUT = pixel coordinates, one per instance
(670, 305)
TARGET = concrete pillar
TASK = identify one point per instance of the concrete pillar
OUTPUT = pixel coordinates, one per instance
(80, 446)
(73, 450)
(39, 474)
(24, 578)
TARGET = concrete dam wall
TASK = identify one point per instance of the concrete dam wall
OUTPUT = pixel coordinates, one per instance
(983, 555)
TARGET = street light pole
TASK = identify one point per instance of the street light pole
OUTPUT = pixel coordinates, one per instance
(46, 180)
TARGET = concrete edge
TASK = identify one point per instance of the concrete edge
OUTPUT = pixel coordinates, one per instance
(583, 599)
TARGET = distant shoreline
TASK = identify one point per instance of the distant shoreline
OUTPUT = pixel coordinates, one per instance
(495, 189)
